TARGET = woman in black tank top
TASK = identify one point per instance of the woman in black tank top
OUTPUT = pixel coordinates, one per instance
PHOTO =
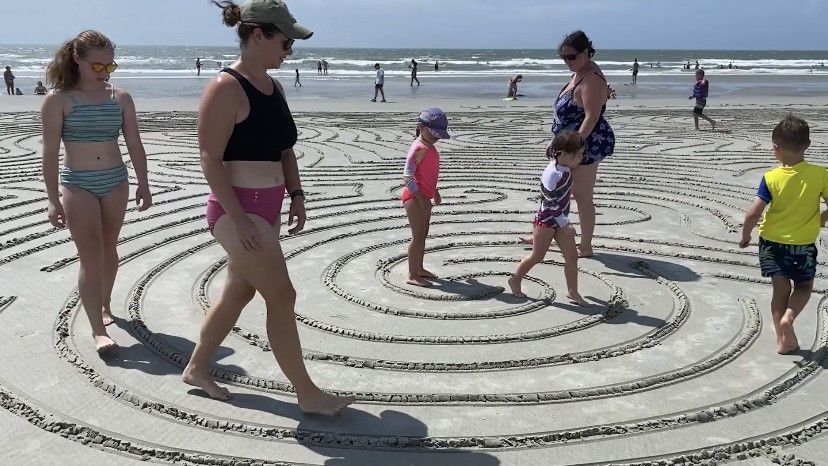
(246, 136)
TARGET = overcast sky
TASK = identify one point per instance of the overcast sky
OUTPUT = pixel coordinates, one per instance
(612, 24)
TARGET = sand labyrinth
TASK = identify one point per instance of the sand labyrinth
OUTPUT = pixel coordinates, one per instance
(672, 362)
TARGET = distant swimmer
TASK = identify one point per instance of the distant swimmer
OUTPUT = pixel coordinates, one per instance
(436, 65)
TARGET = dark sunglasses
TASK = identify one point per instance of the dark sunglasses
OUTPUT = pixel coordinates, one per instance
(109, 67)
(270, 30)
(569, 56)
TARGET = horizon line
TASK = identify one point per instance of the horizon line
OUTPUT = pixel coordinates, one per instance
(449, 48)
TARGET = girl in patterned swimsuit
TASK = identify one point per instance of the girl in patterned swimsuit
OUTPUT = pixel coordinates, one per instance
(89, 115)
(552, 222)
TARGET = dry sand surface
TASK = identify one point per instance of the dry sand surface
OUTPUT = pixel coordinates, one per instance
(673, 361)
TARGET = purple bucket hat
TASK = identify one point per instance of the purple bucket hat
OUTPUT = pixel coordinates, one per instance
(436, 122)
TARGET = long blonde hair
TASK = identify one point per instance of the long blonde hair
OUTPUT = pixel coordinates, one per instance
(62, 72)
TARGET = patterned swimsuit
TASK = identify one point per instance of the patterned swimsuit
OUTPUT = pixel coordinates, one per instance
(601, 141)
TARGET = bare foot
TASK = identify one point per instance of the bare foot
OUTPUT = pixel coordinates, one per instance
(576, 298)
(789, 340)
(206, 383)
(104, 344)
(515, 286)
(324, 404)
(585, 252)
(107, 317)
(526, 240)
(417, 281)
(426, 274)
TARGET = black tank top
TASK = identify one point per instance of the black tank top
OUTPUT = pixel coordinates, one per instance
(268, 129)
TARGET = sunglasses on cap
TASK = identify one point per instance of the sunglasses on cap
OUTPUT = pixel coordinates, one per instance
(109, 67)
(569, 56)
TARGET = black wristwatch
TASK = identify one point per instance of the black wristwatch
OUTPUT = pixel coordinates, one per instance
(297, 192)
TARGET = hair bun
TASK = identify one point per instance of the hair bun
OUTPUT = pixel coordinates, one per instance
(232, 15)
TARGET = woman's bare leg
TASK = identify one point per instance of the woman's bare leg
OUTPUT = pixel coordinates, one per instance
(219, 321)
(583, 188)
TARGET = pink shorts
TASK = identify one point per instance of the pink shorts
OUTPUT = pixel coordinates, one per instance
(408, 195)
(264, 202)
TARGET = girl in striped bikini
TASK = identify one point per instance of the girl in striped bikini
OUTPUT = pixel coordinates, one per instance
(552, 220)
(88, 115)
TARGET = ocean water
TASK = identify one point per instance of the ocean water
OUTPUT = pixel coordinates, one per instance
(170, 70)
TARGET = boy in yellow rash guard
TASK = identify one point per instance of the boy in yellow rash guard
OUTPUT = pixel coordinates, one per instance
(787, 252)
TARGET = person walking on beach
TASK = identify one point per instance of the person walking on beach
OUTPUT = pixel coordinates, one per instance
(319, 67)
(436, 65)
(198, 66)
(413, 66)
(552, 220)
(8, 76)
(580, 107)
(325, 67)
(297, 82)
(788, 232)
(635, 71)
(512, 91)
(419, 193)
(246, 136)
(700, 91)
(88, 115)
(379, 83)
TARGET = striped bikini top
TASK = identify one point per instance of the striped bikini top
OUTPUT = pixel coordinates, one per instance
(93, 122)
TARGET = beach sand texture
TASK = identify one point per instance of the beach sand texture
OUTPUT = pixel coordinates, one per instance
(672, 361)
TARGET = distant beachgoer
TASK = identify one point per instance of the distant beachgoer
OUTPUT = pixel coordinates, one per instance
(250, 165)
(379, 82)
(198, 66)
(730, 66)
(419, 193)
(413, 66)
(512, 91)
(8, 76)
(658, 64)
(89, 115)
(611, 92)
(687, 66)
(40, 89)
(700, 92)
(325, 67)
(18, 91)
(297, 82)
(697, 64)
(319, 67)
(436, 66)
(790, 228)
(219, 65)
(580, 107)
(635, 71)
(552, 220)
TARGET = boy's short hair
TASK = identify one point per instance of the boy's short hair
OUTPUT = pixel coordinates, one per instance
(792, 133)
(700, 72)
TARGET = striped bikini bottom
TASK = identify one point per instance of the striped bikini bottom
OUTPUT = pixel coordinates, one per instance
(97, 182)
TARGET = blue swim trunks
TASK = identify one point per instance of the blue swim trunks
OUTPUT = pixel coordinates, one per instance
(795, 262)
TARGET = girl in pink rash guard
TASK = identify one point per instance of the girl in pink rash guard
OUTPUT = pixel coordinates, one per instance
(422, 169)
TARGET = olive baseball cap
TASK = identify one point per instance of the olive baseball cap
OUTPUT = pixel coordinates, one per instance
(274, 12)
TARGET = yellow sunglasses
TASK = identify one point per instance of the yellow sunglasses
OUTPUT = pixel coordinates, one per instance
(98, 67)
